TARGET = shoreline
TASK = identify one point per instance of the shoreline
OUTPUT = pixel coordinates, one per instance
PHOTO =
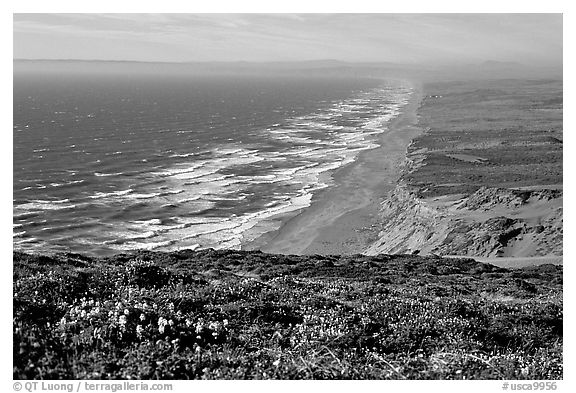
(343, 218)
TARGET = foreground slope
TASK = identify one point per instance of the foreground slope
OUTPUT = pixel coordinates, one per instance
(237, 314)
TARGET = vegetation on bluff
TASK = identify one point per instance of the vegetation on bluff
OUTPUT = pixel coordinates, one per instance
(232, 314)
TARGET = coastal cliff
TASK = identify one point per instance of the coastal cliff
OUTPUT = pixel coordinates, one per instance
(485, 177)
(492, 222)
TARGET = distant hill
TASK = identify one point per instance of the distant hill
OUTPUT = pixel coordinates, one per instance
(328, 67)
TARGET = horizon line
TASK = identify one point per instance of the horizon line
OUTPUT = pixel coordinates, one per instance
(218, 61)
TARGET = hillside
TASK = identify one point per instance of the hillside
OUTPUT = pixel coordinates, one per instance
(485, 176)
(249, 315)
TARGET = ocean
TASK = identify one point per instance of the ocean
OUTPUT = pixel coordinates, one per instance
(112, 163)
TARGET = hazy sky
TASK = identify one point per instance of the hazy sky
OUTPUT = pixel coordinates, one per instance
(291, 37)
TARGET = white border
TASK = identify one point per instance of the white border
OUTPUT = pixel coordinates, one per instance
(230, 6)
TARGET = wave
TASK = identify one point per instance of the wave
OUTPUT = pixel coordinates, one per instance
(195, 174)
(182, 168)
(39, 205)
(65, 184)
(224, 195)
(37, 187)
(186, 155)
(99, 174)
(316, 142)
(100, 195)
(33, 206)
(142, 196)
(25, 240)
(191, 199)
(153, 221)
(132, 245)
(171, 192)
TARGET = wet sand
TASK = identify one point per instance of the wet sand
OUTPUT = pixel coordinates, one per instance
(343, 219)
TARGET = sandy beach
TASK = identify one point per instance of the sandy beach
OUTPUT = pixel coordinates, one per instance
(343, 219)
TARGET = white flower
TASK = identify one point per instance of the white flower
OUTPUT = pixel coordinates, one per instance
(162, 322)
(142, 317)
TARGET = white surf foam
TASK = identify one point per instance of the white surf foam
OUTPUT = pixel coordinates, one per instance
(100, 195)
(99, 174)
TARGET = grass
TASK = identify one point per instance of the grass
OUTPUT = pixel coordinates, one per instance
(515, 125)
(249, 315)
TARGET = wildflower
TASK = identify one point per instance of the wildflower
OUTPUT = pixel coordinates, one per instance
(139, 330)
(122, 320)
(142, 317)
(126, 312)
(162, 322)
